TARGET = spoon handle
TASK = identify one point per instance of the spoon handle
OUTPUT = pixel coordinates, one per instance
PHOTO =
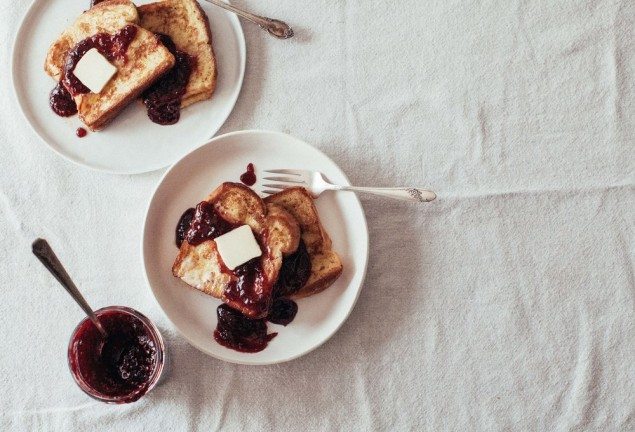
(45, 254)
(275, 27)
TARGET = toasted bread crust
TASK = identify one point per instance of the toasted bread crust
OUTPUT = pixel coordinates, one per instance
(188, 26)
(278, 232)
(190, 100)
(326, 265)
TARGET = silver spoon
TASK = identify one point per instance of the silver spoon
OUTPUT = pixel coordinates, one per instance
(45, 254)
(275, 27)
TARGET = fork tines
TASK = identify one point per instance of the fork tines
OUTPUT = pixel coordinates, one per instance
(292, 178)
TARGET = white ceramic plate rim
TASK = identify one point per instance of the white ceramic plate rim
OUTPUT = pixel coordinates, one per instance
(362, 270)
(20, 102)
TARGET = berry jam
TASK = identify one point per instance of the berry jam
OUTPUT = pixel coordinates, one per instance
(120, 366)
(183, 226)
(251, 292)
(206, 224)
(237, 332)
(294, 273)
(249, 177)
(163, 98)
(81, 132)
(110, 46)
(283, 311)
(61, 101)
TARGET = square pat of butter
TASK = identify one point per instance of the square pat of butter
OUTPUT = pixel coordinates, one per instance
(237, 246)
(94, 70)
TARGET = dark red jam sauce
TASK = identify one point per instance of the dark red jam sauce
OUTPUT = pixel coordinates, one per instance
(206, 224)
(183, 226)
(81, 132)
(283, 311)
(61, 102)
(110, 46)
(235, 331)
(294, 273)
(123, 364)
(249, 177)
(163, 98)
(251, 290)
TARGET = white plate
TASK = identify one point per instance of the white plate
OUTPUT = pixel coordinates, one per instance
(190, 180)
(131, 143)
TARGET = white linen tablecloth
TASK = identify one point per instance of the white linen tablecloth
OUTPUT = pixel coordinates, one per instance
(507, 304)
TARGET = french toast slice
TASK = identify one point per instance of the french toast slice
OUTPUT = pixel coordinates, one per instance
(185, 22)
(326, 265)
(277, 232)
(144, 61)
(105, 17)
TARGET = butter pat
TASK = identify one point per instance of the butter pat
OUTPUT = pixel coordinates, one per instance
(94, 70)
(237, 246)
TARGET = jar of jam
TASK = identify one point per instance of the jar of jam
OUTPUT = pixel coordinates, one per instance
(124, 365)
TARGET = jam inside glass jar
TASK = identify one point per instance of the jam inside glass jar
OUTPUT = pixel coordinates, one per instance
(121, 367)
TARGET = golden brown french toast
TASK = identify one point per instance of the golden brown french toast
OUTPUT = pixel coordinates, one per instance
(145, 59)
(199, 263)
(105, 17)
(187, 25)
(326, 265)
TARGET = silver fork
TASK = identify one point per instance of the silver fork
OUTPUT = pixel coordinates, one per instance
(316, 183)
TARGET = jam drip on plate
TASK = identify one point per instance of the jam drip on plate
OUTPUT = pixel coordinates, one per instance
(163, 98)
(237, 332)
(61, 101)
(249, 177)
(121, 365)
(183, 226)
(110, 46)
(81, 132)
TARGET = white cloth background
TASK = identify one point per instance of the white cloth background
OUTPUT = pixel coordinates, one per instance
(507, 304)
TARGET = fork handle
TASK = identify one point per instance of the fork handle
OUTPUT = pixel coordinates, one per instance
(405, 194)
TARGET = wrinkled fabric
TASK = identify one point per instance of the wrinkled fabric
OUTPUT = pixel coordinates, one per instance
(507, 304)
